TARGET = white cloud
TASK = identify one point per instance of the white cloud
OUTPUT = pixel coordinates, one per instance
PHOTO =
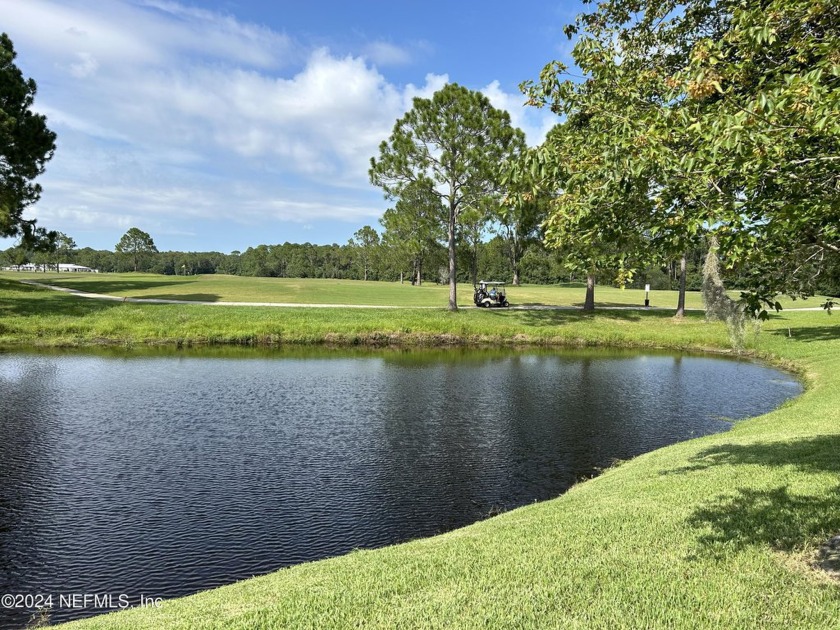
(536, 123)
(303, 211)
(118, 32)
(208, 32)
(59, 118)
(327, 119)
(434, 82)
(85, 67)
(387, 54)
(64, 30)
(84, 217)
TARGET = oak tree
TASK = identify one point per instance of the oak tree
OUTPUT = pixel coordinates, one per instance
(728, 112)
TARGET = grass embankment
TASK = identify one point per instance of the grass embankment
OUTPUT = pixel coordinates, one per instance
(36, 316)
(718, 532)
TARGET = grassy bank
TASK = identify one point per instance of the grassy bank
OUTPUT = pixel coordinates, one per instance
(36, 316)
(718, 532)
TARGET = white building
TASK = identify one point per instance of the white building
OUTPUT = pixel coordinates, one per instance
(76, 268)
(62, 267)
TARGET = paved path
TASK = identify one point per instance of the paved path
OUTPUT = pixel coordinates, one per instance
(133, 300)
(533, 307)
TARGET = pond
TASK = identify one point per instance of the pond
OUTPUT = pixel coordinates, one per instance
(163, 474)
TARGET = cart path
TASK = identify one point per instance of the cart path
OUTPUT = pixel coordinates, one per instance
(134, 300)
(530, 307)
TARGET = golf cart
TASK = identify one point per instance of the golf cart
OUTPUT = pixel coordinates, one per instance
(489, 294)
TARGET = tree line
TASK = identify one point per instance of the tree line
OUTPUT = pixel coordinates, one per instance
(369, 256)
(365, 257)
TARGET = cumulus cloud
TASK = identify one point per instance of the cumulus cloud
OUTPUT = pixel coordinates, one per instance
(434, 82)
(327, 119)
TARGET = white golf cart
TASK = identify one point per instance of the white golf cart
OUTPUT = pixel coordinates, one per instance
(490, 294)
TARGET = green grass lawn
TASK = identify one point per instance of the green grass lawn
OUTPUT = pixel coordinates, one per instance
(222, 288)
(717, 532)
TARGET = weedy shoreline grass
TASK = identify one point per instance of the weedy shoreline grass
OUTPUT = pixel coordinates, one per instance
(717, 532)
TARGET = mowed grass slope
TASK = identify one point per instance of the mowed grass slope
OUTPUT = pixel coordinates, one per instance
(719, 532)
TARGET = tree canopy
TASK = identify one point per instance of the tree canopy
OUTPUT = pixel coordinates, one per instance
(136, 244)
(365, 241)
(26, 145)
(414, 225)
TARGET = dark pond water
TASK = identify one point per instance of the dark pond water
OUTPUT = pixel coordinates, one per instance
(161, 475)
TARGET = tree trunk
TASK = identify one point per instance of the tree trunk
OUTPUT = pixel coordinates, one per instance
(419, 267)
(453, 290)
(589, 303)
(681, 299)
(515, 254)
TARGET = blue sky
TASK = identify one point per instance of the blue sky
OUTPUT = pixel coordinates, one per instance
(221, 125)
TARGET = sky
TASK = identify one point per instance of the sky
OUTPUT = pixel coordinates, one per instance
(218, 125)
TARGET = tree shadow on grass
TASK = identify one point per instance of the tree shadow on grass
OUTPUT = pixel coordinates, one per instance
(29, 301)
(640, 305)
(820, 453)
(809, 333)
(112, 286)
(183, 297)
(773, 517)
(34, 301)
(547, 317)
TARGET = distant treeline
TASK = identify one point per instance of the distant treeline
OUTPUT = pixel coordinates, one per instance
(488, 261)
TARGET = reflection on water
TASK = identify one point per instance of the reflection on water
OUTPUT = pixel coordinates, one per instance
(163, 474)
